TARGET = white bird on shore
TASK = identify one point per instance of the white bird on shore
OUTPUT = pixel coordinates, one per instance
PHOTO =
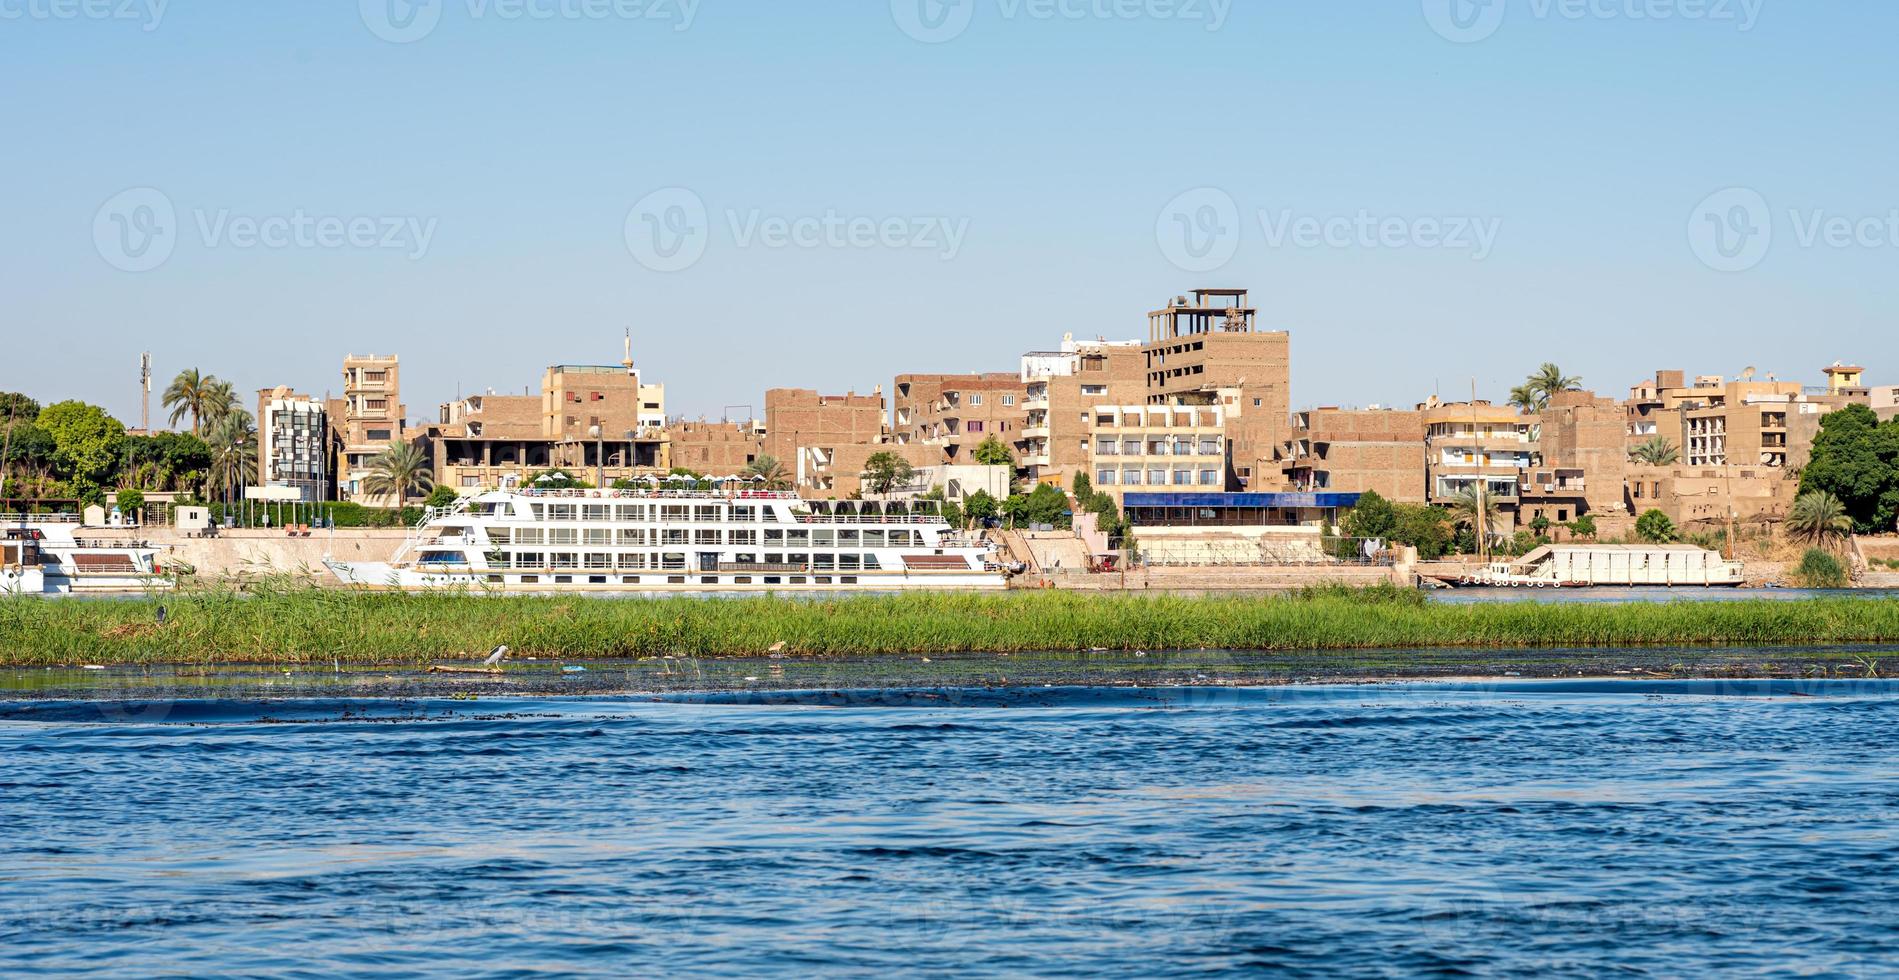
(495, 656)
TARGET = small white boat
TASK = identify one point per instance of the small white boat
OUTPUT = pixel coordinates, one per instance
(679, 541)
(46, 554)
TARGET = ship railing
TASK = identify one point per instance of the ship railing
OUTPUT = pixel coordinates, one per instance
(869, 519)
(39, 518)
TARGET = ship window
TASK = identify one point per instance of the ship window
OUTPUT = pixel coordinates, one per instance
(799, 537)
(629, 580)
(847, 537)
(530, 579)
(871, 564)
(563, 580)
(675, 580)
(599, 560)
(847, 562)
(798, 558)
(708, 580)
(873, 539)
(742, 580)
(824, 539)
(744, 537)
(822, 580)
(675, 512)
(629, 512)
(706, 514)
(774, 558)
(774, 536)
(797, 580)
(563, 559)
(773, 580)
(596, 580)
(529, 535)
(745, 513)
(672, 560)
(632, 537)
(563, 535)
(494, 579)
(848, 580)
(598, 536)
(530, 559)
(597, 512)
(560, 512)
(824, 562)
(705, 536)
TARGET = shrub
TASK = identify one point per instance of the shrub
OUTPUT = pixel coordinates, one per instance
(1820, 570)
(1655, 527)
(441, 497)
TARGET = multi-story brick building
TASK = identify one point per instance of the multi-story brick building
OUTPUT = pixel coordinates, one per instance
(1158, 447)
(1472, 444)
(955, 413)
(1357, 450)
(1060, 390)
(294, 446)
(718, 448)
(368, 419)
(1207, 350)
(1582, 458)
(807, 432)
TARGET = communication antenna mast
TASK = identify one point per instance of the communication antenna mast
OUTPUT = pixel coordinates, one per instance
(145, 386)
(627, 361)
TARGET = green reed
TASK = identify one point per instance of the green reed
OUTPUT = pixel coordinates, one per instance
(274, 621)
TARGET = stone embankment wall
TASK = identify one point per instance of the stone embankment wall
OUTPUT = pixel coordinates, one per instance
(250, 553)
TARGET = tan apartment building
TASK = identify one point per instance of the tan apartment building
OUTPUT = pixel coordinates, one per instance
(823, 440)
(294, 444)
(1206, 349)
(1581, 460)
(1751, 423)
(1712, 495)
(1357, 450)
(1061, 389)
(1477, 444)
(955, 413)
(597, 422)
(718, 448)
(368, 419)
(1159, 448)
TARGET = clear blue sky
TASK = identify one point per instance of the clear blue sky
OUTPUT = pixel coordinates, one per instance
(524, 143)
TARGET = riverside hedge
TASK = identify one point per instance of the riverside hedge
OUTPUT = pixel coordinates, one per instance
(309, 625)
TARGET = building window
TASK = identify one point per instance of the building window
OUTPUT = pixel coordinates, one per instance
(974, 427)
(975, 398)
(1008, 400)
(1104, 477)
(1209, 478)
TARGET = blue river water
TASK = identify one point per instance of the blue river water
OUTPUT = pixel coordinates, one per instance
(1558, 829)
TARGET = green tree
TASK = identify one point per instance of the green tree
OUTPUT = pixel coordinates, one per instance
(1584, 527)
(992, 452)
(1474, 501)
(1548, 382)
(886, 471)
(131, 503)
(190, 393)
(400, 471)
(1818, 518)
(981, 507)
(1373, 517)
(1655, 527)
(220, 402)
(233, 443)
(441, 497)
(1655, 451)
(1539, 525)
(17, 407)
(1043, 505)
(86, 441)
(1084, 489)
(1423, 527)
(1856, 459)
(1525, 398)
(767, 470)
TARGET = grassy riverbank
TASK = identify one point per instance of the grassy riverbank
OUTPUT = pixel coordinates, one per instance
(306, 625)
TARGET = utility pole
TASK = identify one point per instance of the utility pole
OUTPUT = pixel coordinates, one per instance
(145, 386)
(1483, 484)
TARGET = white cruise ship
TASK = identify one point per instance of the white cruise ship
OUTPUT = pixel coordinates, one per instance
(679, 541)
(44, 554)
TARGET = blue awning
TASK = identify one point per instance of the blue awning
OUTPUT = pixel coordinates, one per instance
(1227, 500)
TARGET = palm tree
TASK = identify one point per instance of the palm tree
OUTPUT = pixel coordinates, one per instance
(1525, 398)
(1471, 501)
(220, 402)
(233, 442)
(771, 470)
(1657, 451)
(1550, 381)
(401, 471)
(189, 394)
(1818, 517)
